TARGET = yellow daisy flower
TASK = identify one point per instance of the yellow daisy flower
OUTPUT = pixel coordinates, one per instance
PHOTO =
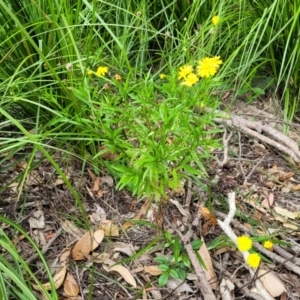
(244, 243)
(253, 260)
(162, 76)
(268, 245)
(101, 71)
(208, 67)
(215, 20)
(184, 71)
(190, 80)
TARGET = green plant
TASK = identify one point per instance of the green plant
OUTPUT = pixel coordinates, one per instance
(177, 264)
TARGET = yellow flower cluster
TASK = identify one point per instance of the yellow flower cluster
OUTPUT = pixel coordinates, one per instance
(101, 71)
(207, 67)
(244, 243)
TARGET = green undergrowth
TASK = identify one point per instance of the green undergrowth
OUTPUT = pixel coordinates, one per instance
(136, 116)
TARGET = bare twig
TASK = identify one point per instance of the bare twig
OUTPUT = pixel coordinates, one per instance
(226, 140)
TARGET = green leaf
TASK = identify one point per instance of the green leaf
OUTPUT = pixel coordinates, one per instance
(174, 273)
(186, 261)
(181, 273)
(196, 244)
(176, 249)
(201, 261)
(163, 279)
(161, 259)
(164, 267)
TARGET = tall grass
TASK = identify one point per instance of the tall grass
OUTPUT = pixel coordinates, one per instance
(49, 103)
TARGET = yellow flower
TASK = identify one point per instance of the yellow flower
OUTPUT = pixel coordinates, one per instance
(244, 243)
(253, 260)
(117, 77)
(184, 71)
(90, 72)
(101, 71)
(208, 67)
(215, 20)
(216, 61)
(190, 80)
(268, 245)
(162, 76)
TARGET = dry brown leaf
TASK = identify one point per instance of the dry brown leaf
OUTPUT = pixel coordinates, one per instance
(284, 212)
(208, 216)
(71, 287)
(92, 175)
(72, 229)
(126, 248)
(98, 237)
(271, 282)
(65, 255)
(123, 272)
(268, 202)
(37, 220)
(58, 280)
(140, 215)
(96, 185)
(296, 187)
(108, 154)
(152, 270)
(109, 228)
(290, 226)
(210, 272)
(83, 246)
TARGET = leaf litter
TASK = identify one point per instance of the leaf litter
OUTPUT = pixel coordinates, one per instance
(115, 244)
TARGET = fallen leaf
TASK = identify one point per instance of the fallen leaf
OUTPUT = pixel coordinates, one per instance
(109, 228)
(107, 180)
(290, 226)
(268, 202)
(152, 270)
(140, 215)
(58, 280)
(126, 248)
(96, 185)
(98, 237)
(107, 154)
(210, 272)
(72, 229)
(178, 285)
(83, 246)
(284, 212)
(123, 272)
(208, 216)
(37, 220)
(65, 255)
(271, 282)
(71, 287)
(296, 187)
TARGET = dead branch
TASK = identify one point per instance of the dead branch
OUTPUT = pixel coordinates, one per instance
(257, 128)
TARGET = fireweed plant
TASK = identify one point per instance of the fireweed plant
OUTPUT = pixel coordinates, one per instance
(158, 131)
